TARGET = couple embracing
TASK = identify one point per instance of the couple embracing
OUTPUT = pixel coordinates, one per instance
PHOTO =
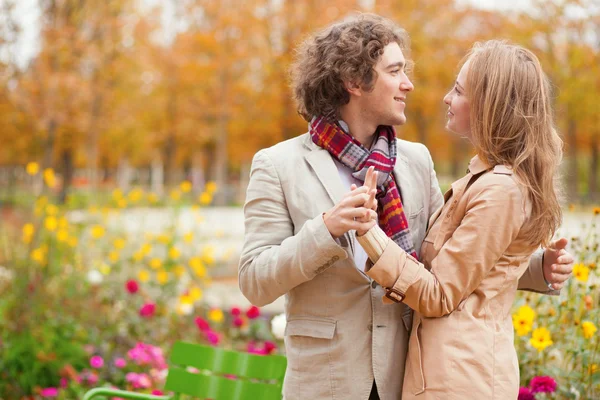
(393, 290)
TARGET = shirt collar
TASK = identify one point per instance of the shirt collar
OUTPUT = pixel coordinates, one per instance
(477, 165)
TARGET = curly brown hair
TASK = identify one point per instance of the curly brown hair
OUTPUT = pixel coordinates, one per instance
(345, 51)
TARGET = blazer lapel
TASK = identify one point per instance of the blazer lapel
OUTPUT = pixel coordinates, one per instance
(321, 162)
(402, 175)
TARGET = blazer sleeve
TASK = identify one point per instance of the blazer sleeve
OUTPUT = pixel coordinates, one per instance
(492, 221)
(274, 260)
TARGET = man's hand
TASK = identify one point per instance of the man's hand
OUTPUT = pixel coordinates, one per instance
(350, 214)
(558, 264)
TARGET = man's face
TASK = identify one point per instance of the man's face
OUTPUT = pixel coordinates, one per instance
(385, 104)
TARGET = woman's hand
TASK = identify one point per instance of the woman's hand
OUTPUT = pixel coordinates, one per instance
(371, 203)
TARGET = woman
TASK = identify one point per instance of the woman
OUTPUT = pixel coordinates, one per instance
(479, 243)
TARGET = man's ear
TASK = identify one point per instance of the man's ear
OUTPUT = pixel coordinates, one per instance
(352, 88)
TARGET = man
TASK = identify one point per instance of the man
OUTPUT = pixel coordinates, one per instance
(341, 341)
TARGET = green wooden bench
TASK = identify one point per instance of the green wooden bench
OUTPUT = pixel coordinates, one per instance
(255, 377)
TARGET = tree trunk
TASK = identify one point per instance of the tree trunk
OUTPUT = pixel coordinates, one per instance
(67, 161)
(593, 178)
(572, 183)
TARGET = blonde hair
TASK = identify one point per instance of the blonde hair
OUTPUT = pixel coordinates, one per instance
(512, 123)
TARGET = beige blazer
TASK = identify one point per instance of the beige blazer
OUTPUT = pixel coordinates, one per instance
(339, 336)
(461, 346)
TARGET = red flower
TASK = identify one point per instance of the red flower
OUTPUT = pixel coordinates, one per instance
(253, 312)
(147, 310)
(235, 311)
(213, 337)
(542, 384)
(132, 286)
(525, 394)
(238, 322)
(202, 324)
(270, 347)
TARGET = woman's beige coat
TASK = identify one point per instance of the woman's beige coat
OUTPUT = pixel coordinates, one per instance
(461, 345)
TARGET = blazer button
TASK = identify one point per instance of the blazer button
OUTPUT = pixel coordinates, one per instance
(374, 284)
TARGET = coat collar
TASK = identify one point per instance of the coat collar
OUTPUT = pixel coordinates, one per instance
(477, 165)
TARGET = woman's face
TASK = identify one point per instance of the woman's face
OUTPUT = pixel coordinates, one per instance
(458, 105)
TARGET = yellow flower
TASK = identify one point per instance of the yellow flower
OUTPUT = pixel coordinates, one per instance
(197, 266)
(164, 239)
(98, 231)
(51, 223)
(93, 209)
(188, 237)
(39, 255)
(113, 256)
(175, 194)
(119, 243)
(215, 315)
(49, 177)
(162, 276)
(596, 210)
(540, 338)
(523, 320)
(592, 369)
(209, 255)
(152, 198)
(104, 269)
(205, 198)
(195, 293)
(146, 248)
(51, 209)
(121, 203)
(143, 276)
(73, 241)
(32, 168)
(62, 236)
(155, 263)
(179, 270)
(589, 329)
(135, 195)
(185, 186)
(117, 194)
(522, 325)
(63, 223)
(28, 231)
(186, 299)
(138, 256)
(210, 187)
(581, 272)
(174, 253)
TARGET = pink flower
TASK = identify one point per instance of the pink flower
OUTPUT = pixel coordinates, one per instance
(120, 362)
(147, 310)
(270, 347)
(96, 362)
(542, 384)
(212, 337)
(238, 322)
(253, 349)
(202, 324)
(132, 286)
(64, 382)
(92, 379)
(525, 394)
(145, 354)
(253, 312)
(235, 311)
(131, 377)
(157, 392)
(49, 392)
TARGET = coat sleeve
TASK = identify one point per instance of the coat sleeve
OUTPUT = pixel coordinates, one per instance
(493, 219)
(274, 260)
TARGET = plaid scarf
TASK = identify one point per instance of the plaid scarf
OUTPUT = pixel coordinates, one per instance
(382, 156)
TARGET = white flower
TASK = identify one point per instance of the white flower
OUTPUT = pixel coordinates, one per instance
(95, 277)
(555, 358)
(575, 392)
(186, 309)
(278, 324)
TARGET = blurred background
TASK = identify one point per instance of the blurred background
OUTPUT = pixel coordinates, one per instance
(144, 92)
(127, 130)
